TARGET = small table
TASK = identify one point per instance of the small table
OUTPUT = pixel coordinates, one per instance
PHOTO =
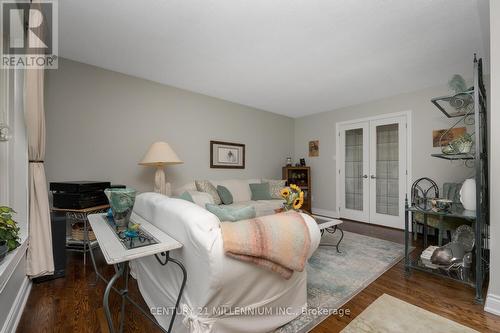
(331, 226)
(481, 265)
(80, 215)
(117, 254)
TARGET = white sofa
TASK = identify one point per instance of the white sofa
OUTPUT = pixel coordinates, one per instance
(260, 300)
(240, 190)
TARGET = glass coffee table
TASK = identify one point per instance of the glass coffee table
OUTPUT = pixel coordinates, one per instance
(331, 226)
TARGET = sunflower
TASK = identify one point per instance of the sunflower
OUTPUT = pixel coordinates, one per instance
(301, 195)
(285, 192)
(295, 188)
(297, 203)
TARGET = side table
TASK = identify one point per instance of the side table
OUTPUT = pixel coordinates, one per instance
(80, 215)
(331, 226)
(116, 253)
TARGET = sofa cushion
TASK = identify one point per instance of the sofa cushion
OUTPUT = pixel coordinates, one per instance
(239, 188)
(260, 191)
(231, 214)
(191, 186)
(201, 198)
(225, 196)
(207, 187)
(186, 196)
(275, 186)
(262, 207)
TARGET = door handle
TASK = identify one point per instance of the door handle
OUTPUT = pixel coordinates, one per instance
(365, 176)
(373, 177)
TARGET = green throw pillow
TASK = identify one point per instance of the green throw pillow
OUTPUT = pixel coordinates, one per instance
(231, 214)
(225, 196)
(186, 196)
(260, 191)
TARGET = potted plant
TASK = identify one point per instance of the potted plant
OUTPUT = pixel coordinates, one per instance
(9, 231)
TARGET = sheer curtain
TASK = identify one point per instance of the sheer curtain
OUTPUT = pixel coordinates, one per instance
(39, 258)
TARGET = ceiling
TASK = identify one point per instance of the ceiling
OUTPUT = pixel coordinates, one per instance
(292, 57)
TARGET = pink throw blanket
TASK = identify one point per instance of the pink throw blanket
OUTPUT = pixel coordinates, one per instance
(278, 242)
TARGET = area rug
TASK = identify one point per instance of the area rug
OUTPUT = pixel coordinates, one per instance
(334, 278)
(391, 315)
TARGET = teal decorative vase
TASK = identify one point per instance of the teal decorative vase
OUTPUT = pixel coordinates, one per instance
(121, 201)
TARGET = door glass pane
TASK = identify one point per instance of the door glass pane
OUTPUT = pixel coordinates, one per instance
(388, 169)
(354, 169)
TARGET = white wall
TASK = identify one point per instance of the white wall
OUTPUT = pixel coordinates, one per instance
(100, 124)
(426, 118)
(493, 299)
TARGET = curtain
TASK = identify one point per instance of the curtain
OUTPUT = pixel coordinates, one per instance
(40, 260)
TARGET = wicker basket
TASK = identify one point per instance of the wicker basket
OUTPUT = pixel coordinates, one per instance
(78, 233)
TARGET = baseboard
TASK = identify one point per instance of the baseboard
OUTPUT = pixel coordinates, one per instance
(325, 212)
(16, 311)
(492, 304)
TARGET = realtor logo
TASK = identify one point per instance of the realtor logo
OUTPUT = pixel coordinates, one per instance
(29, 34)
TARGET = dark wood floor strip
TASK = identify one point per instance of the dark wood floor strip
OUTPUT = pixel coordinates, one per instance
(73, 304)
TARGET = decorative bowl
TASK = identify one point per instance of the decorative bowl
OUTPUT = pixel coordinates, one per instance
(460, 145)
(121, 201)
(441, 205)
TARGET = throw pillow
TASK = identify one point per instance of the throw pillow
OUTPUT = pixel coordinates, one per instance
(186, 196)
(225, 195)
(260, 191)
(275, 186)
(208, 187)
(231, 214)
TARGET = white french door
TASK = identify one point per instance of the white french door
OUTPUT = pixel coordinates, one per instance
(354, 185)
(372, 170)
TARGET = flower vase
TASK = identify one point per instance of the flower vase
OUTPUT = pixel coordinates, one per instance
(121, 201)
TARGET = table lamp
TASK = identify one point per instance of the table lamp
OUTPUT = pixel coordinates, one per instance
(159, 155)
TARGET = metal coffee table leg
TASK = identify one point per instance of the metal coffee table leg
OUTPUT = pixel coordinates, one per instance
(341, 236)
(332, 230)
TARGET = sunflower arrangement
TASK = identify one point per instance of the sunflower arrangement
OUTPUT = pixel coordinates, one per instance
(294, 197)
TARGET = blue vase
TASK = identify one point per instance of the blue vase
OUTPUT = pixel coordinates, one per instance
(121, 201)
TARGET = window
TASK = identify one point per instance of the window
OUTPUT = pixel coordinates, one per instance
(4, 145)
(13, 163)
(14, 152)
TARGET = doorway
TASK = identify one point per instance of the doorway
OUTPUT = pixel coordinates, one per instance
(373, 169)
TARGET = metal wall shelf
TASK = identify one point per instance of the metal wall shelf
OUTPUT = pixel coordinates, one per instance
(442, 103)
(454, 157)
(480, 162)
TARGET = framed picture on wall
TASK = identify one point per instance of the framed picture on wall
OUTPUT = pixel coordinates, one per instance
(314, 148)
(227, 155)
(452, 134)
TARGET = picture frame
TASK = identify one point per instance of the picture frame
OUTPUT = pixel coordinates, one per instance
(227, 155)
(314, 148)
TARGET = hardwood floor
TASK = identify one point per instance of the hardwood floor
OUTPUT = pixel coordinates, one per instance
(444, 297)
(73, 304)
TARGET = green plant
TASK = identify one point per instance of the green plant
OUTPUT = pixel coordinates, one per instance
(9, 231)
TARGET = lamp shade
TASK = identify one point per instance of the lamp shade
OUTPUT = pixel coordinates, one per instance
(160, 154)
